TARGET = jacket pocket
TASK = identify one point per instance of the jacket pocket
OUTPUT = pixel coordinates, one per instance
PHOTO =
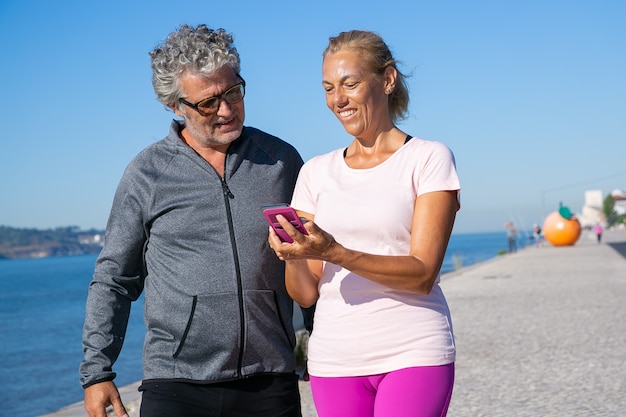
(269, 337)
(210, 342)
(194, 302)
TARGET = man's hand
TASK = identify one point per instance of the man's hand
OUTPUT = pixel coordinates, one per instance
(101, 395)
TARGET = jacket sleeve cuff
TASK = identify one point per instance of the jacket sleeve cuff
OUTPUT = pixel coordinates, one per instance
(87, 382)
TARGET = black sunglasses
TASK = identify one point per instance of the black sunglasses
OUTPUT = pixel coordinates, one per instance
(209, 106)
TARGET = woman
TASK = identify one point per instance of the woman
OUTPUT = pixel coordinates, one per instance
(383, 211)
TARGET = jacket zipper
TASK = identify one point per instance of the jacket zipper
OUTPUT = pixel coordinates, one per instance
(227, 196)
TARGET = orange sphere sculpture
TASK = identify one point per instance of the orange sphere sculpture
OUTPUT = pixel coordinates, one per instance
(560, 230)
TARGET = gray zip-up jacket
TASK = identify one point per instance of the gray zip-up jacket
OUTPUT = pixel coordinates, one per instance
(215, 305)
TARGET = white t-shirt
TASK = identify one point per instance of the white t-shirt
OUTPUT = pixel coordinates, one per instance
(360, 327)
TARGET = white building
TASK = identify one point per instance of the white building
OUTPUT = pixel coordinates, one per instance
(620, 201)
(591, 213)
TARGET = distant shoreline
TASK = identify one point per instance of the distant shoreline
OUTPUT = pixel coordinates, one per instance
(63, 241)
(24, 243)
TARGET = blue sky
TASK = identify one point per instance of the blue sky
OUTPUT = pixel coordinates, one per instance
(529, 95)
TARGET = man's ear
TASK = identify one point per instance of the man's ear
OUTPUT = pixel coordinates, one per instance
(175, 109)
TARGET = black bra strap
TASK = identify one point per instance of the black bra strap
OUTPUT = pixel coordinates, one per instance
(408, 138)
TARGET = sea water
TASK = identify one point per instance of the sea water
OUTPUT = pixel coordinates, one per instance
(42, 305)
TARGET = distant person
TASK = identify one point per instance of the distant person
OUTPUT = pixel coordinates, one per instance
(384, 208)
(511, 236)
(186, 228)
(598, 231)
(537, 236)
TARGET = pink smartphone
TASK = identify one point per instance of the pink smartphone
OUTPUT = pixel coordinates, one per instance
(270, 213)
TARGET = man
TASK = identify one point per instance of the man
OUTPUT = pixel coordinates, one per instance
(511, 236)
(186, 228)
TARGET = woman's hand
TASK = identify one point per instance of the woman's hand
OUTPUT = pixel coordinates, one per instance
(317, 244)
(303, 265)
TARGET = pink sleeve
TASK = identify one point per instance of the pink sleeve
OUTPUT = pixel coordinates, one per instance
(303, 198)
(438, 171)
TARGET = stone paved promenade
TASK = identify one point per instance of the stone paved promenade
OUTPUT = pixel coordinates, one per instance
(542, 332)
(539, 333)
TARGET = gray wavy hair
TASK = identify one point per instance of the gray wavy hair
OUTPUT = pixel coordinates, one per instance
(198, 51)
(376, 57)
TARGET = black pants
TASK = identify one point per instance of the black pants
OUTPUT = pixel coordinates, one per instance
(259, 396)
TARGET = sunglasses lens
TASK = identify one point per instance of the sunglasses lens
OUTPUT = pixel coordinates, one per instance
(209, 105)
(235, 94)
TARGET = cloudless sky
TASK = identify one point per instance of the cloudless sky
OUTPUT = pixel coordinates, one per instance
(529, 95)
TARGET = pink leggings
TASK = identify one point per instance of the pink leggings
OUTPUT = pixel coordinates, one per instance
(423, 391)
